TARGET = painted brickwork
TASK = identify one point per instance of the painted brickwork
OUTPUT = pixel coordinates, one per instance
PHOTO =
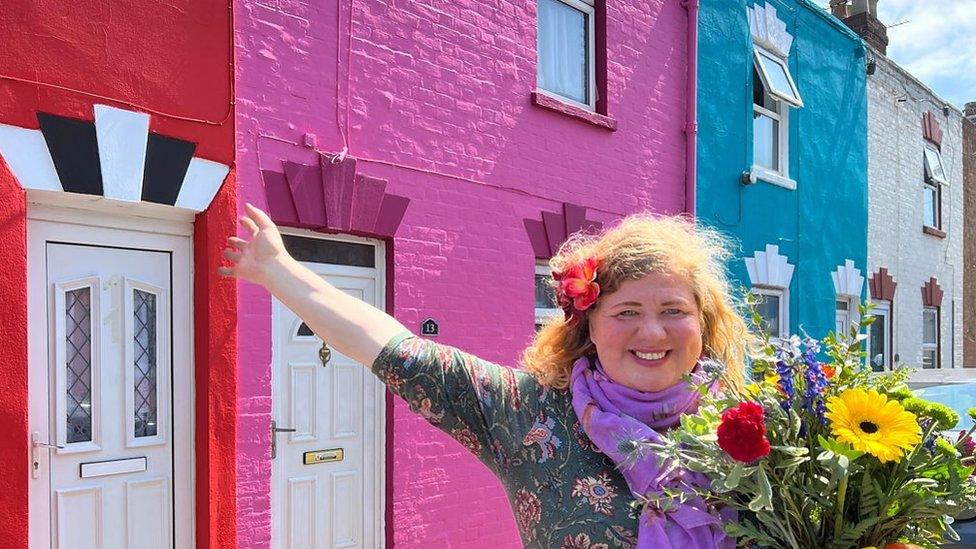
(822, 223)
(437, 94)
(896, 104)
(969, 236)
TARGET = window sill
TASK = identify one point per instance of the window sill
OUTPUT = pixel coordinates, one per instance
(546, 101)
(933, 231)
(773, 178)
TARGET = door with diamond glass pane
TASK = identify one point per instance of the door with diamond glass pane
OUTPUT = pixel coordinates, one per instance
(111, 467)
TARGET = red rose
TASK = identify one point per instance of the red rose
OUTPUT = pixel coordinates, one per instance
(742, 432)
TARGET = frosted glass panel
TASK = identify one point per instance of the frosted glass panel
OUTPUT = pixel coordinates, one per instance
(77, 304)
(144, 345)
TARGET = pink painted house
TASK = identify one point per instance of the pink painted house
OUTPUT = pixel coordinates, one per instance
(428, 156)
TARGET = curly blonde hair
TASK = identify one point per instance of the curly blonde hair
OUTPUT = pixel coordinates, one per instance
(638, 245)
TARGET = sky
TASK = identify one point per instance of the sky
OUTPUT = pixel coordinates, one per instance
(937, 44)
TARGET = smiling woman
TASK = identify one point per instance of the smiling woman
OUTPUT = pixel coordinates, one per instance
(643, 302)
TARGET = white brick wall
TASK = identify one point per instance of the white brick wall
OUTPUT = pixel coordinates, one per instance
(895, 183)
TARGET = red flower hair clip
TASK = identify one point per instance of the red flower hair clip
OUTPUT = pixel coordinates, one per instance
(576, 288)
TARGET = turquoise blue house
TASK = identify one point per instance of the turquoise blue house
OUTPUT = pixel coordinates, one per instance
(782, 156)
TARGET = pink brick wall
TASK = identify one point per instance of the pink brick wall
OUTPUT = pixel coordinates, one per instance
(443, 86)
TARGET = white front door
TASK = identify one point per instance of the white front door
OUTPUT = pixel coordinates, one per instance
(109, 350)
(327, 468)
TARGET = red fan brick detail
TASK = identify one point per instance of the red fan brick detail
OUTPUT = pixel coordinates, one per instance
(932, 293)
(882, 285)
(931, 129)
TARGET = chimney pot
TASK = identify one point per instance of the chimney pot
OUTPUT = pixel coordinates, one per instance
(971, 110)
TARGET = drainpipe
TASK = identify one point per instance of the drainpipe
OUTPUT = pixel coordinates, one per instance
(691, 114)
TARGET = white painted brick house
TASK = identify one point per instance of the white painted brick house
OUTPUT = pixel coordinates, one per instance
(915, 220)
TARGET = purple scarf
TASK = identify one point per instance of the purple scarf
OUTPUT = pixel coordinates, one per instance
(611, 413)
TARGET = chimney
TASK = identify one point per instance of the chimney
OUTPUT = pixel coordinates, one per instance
(840, 9)
(862, 17)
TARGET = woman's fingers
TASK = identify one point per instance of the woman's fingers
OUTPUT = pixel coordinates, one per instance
(260, 218)
(225, 271)
(250, 225)
(238, 243)
(232, 255)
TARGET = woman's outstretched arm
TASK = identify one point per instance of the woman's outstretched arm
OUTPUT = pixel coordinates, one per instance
(354, 328)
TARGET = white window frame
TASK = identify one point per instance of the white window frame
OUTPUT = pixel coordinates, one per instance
(543, 315)
(588, 7)
(882, 308)
(929, 169)
(847, 311)
(933, 182)
(781, 175)
(784, 307)
(758, 53)
(931, 346)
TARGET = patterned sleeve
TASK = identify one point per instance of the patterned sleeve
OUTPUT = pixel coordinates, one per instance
(482, 405)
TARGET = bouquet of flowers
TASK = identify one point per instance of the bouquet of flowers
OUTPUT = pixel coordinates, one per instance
(819, 451)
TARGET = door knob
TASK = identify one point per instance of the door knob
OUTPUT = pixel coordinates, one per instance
(274, 439)
(36, 444)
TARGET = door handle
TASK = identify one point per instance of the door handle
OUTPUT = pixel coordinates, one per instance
(274, 439)
(36, 444)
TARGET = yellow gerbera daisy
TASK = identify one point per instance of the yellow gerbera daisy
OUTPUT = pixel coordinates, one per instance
(871, 423)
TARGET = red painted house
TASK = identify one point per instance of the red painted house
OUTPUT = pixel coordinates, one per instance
(118, 360)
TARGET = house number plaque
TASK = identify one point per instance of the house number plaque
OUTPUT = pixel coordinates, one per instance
(323, 456)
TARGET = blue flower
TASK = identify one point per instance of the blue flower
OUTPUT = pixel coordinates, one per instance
(815, 381)
(785, 372)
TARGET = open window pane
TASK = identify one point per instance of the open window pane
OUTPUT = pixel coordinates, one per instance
(563, 43)
(929, 359)
(765, 136)
(934, 169)
(930, 212)
(776, 77)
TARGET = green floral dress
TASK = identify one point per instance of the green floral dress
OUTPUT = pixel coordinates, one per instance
(563, 491)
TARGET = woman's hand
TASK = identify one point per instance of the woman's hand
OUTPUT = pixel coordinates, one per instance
(354, 328)
(253, 261)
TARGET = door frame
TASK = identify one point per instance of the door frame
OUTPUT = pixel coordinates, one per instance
(107, 228)
(379, 390)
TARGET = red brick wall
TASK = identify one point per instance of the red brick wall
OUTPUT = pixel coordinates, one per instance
(969, 236)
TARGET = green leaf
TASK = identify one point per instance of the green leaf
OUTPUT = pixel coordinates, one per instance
(792, 450)
(838, 448)
(764, 499)
(731, 480)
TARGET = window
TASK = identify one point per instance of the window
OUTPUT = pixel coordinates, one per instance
(545, 300)
(930, 337)
(934, 169)
(879, 337)
(842, 319)
(566, 48)
(772, 306)
(935, 177)
(773, 92)
(776, 78)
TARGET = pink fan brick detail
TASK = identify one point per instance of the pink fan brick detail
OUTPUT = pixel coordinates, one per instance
(332, 196)
(549, 234)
